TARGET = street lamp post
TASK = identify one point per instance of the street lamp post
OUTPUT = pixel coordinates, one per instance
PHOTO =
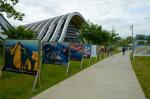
(132, 41)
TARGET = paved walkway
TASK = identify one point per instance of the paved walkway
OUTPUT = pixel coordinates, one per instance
(111, 78)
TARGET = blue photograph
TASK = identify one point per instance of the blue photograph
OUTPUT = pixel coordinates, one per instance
(87, 51)
(76, 51)
(55, 53)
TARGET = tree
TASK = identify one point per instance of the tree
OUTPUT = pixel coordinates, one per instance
(7, 7)
(19, 33)
(123, 42)
(93, 33)
(141, 42)
(113, 38)
(129, 39)
(148, 40)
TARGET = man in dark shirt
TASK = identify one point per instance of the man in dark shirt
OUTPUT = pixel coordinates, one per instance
(123, 50)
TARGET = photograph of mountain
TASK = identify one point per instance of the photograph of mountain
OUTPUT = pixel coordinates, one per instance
(55, 53)
(76, 51)
(22, 56)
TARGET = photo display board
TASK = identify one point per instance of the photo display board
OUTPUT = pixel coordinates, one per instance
(94, 51)
(22, 56)
(102, 49)
(76, 51)
(55, 53)
(87, 50)
(98, 48)
(141, 50)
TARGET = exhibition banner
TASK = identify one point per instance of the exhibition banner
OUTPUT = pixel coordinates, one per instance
(76, 51)
(94, 51)
(141, 50)
(102, 49)
(98, 49)
(87, 50)
(22, 56)
(55, 53)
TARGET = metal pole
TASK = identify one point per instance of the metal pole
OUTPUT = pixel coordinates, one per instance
(132, 41)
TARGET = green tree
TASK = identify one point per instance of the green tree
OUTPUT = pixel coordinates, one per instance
(148, 40)
(141, 42)
(19, 33)
(123, 42)
(93, 33)
(7, 7)
(129, 39)
(113, 38)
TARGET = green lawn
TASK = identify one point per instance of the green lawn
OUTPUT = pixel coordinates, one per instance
(141, 67)
(19, 86)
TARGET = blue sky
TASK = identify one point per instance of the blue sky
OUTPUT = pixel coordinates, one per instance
(108, 13)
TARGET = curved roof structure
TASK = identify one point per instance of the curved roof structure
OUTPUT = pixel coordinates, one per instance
(4, 26)
(64, 28)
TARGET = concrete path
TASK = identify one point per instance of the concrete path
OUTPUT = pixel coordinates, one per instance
(111, 78)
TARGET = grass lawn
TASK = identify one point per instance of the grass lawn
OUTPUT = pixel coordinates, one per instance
(141, 67)
(19, 86)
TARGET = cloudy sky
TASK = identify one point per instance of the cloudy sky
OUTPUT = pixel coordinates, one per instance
(119, 14)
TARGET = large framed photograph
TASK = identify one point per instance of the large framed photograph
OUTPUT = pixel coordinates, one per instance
(142, 50)
(76, 51)
(102, 49)
(55, 53)
(22, 56)
(94, 51)
(98, 49)
(87, 50)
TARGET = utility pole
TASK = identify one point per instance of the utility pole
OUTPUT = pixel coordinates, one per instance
(113, 31)
(132, 40)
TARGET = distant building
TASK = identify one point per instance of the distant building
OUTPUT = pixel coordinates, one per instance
(141, 39)
(4, 25)
(64, 28)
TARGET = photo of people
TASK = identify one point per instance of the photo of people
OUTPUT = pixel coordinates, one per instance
(87, 51)
(22, 56)
(55, 53)
(76, 51)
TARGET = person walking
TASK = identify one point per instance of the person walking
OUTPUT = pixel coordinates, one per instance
(111, 51)
(123, 50)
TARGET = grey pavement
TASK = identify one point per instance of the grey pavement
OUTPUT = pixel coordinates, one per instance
(111, 78)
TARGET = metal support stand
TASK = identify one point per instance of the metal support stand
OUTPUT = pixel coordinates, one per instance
(35, 81)
(67, 70)
(90, 60)
(81, 63)
(38, 75)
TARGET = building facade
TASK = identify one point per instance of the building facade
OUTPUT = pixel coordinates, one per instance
(64, 28)
(4, 25)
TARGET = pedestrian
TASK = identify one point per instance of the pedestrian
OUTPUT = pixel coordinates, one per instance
(111, 51)
(123, 50)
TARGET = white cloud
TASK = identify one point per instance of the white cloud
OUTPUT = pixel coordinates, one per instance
(118, 13)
